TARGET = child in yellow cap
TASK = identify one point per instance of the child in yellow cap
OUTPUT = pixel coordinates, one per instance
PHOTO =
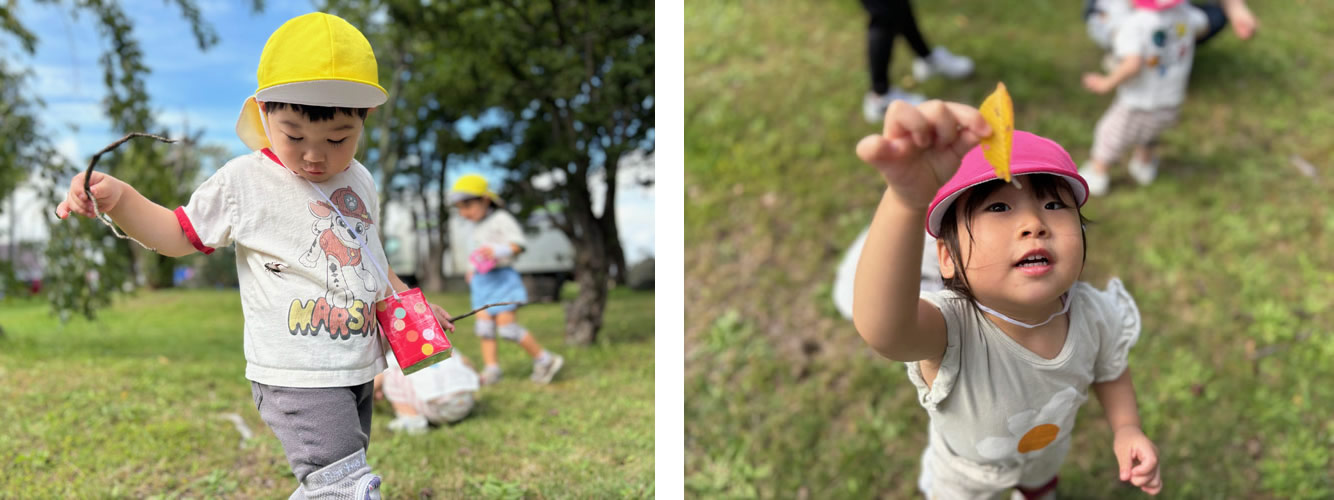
(497, 240)
(302, 214)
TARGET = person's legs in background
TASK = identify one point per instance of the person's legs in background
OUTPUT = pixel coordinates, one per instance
(890, 18)
(880, 34)
(545, 364)
(486, 331)
(929, 62)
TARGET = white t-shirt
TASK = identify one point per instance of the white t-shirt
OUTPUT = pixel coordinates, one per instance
(999, 411)
(1105, 18)
(498, 228)
(312, 324)
(1165, 40)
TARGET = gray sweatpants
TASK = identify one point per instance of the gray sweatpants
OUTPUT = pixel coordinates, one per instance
(317, 426)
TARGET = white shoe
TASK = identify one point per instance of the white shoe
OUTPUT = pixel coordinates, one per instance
(490, 375)
(941, 62)
(416, 424)
(1143, 172)
(874, 105)
(1098, 182)
(543, 372)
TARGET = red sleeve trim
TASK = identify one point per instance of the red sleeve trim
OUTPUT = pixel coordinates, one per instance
(190, 233)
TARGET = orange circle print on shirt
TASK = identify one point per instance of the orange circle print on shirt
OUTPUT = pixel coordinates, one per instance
(1032, 430)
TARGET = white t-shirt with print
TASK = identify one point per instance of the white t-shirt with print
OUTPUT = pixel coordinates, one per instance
(1001, 414)
(313, 323)
(1165, 41)
(498, 228)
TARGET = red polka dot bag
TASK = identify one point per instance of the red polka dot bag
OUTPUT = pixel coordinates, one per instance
(416, 337)
(414, 334)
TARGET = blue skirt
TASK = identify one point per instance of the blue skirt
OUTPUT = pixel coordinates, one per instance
(501, 284)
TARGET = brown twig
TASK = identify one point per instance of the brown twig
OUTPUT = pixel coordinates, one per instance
(480, 309)
(88, 177)
(87, 174)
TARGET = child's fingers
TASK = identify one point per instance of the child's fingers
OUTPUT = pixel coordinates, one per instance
(879, 151)
(1124, 461)
(969, 118)
(903, 120)
(1148, 462)
(1154, 486)
(75, 204)
(944, 126)
(969, 128)
(442, 316)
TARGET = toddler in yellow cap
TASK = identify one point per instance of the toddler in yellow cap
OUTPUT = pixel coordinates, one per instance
(496, 241)
(301, 212)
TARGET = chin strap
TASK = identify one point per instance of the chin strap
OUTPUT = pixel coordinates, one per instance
(1065, 299)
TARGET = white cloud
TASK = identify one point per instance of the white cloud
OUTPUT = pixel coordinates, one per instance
(68, 146)
(67, 81)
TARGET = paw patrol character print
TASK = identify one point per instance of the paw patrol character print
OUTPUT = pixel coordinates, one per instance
(336, 247)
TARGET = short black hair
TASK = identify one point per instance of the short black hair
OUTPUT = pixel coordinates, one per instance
(315, 113)
(468, 201)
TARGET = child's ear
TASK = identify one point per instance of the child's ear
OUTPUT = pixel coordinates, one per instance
(946, 263)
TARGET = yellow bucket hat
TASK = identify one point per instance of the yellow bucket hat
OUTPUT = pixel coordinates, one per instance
(472, 186)
(315, 60)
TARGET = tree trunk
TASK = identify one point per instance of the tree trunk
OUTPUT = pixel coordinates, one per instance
(162, 272)
(583, 319)
(615, 252)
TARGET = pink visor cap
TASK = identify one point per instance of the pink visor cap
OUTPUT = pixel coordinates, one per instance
(1031, 154)
(1157, 4)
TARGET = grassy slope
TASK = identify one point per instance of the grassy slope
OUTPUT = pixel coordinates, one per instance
(1227, 253)
(131, 406)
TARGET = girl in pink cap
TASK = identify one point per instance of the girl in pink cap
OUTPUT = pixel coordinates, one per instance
(1003, 357)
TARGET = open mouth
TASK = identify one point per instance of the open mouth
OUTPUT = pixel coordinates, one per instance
(1035, 259)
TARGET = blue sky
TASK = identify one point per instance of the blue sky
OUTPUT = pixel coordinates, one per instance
(202, 88)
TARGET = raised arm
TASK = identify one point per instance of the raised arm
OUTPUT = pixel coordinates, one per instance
(140, 218)
(885, 307)
(919, 150)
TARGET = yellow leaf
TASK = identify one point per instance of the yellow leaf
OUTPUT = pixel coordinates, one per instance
(998, 111)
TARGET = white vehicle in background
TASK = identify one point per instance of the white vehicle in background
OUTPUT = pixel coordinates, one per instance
(546, 263)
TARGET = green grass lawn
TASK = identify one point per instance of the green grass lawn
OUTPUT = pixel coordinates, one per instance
(1230, 253)
(132, 405)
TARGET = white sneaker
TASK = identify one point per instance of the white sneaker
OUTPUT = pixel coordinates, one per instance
(941, 62)
(1143, 172)
(874, 105)
(490, 375)
(1098, 182)
(543, 372)
(415, 424)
